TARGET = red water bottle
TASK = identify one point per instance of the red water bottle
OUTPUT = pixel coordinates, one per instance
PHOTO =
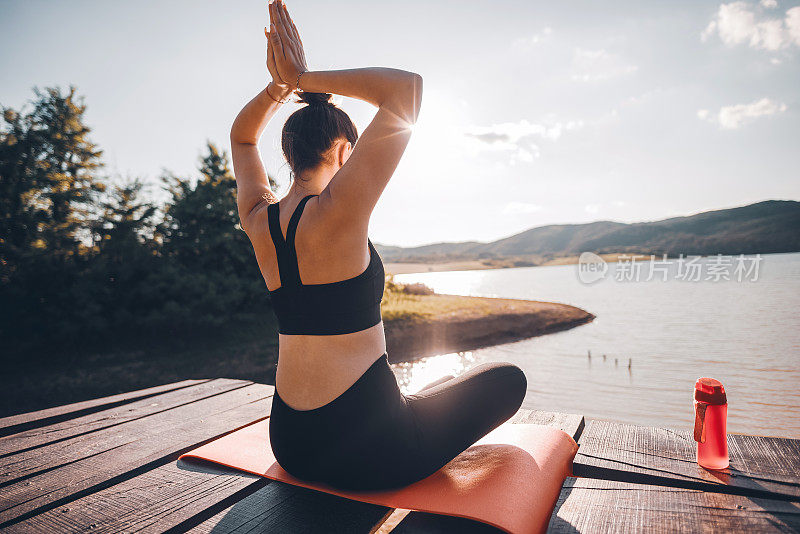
(710, 423)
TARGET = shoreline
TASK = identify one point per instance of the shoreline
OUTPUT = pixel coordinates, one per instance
(400, 267)
(478, 322)
(416, 326)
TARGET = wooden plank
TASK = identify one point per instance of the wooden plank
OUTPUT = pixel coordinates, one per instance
(18, 423)
(425, 523)
(51, 434)
(51, 476)
(589, 505)
(570, 423)
(61, 453)
(182, 495)
(154, 501)
(280, 507)
(760, 466)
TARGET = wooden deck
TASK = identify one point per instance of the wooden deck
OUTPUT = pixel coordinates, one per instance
(110, 465)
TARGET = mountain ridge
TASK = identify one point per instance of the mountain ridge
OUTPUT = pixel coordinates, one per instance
(769, 226)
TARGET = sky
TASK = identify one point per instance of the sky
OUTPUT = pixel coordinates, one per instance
(533, 113)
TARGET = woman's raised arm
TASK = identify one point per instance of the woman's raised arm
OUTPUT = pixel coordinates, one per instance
(252, 183)
(354, 190)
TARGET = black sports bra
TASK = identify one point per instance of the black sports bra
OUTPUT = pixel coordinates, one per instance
(322, 309)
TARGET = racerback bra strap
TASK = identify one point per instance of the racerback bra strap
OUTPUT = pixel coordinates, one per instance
(284, 267)
(284, 248)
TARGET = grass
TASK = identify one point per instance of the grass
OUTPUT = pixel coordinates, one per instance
(418, 302)
(400, 306)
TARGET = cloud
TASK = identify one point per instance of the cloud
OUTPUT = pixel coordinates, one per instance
(526, 43)
(598, 65)
(792, 22)
(519, 138)
(512, 132)
(732, 117)
(737, 23)
(491, 137)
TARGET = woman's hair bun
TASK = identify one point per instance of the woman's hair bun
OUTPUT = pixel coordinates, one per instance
(314, 99)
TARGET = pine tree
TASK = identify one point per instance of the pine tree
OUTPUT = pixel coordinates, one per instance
(82, 267)
(47, 178)
(124, 229)
(48, 184)
(216, 276)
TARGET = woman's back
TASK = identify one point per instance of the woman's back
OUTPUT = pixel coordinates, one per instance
(337, 307)
(315, 369)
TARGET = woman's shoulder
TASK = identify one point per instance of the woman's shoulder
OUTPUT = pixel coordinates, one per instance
(335, 216)
(256, 220)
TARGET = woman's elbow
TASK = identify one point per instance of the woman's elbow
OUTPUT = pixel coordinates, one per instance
(241, 134)
(238, 138)
(406, 97)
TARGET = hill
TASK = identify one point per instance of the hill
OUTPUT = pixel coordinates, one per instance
(765, 227)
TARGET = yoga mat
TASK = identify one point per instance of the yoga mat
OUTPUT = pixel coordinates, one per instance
(510, 478)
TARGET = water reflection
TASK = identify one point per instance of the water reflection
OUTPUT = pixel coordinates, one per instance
(413, 376)
(745, 334)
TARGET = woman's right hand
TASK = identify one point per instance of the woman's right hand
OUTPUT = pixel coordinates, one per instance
(290, 58)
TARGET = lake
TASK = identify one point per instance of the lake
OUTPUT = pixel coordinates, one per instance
(743, 331)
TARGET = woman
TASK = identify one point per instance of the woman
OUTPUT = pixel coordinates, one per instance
(338, 415)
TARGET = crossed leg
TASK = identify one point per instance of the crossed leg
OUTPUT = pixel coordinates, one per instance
(436, 382)
(452, 413)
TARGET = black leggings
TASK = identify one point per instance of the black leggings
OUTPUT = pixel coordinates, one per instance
(374, 437)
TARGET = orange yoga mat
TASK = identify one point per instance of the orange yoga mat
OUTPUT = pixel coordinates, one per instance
(510, 479)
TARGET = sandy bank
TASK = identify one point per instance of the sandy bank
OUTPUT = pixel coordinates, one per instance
(468, 323)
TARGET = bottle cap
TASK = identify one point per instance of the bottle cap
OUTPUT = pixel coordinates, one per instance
(710, 391)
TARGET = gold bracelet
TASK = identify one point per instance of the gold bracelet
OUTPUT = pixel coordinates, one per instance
(275, 99)
(297, 85)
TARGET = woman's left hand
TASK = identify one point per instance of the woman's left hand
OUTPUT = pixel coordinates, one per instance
(281, 87)
(290, 57)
